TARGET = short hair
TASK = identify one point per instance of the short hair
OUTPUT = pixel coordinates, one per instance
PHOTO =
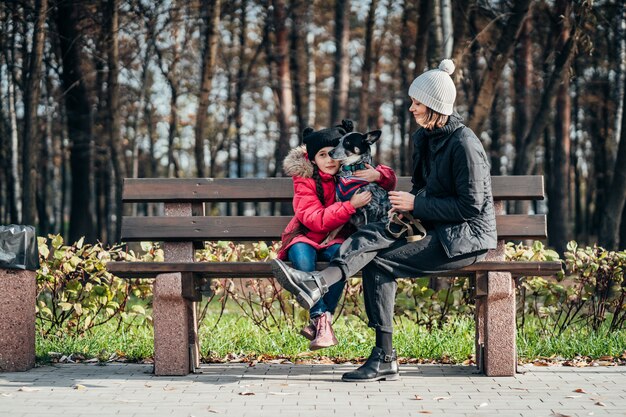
(433, 119)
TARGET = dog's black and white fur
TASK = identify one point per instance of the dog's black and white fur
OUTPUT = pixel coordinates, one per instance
(354, 151)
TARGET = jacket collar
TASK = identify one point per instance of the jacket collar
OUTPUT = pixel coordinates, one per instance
(437, 138)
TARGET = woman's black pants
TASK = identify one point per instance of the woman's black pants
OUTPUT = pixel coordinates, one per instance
(383, 258)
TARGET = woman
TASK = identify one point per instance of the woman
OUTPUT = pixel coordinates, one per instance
(451, 195)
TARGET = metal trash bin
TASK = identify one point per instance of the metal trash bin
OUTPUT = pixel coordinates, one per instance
(19, 260)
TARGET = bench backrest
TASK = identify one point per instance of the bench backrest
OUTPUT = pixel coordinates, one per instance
(193, 193)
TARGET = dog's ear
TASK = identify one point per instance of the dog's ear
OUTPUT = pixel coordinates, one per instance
(347, 125)
(373, 136)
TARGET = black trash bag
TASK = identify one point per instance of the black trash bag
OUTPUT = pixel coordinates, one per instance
(18, 247)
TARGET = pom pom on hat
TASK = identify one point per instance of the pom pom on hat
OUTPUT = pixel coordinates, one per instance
(447, 66)
(435, 88)
(307, 131)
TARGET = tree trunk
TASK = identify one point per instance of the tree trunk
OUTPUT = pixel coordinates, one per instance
(241, 78)
(558, 193)
(209, 55)
(282, 88)
(113, 118)
(79, 127)
(523, 86)
(366, 68)
(14, 187)
(436, 50)
(461, 13)
(494, 147)
(523, 158)
(621, 71)
(447, 28)
(406, 42)
(341, 73)
(310, 63)
(613, 209)
(30, 143)
(480, 106)
(296, 58)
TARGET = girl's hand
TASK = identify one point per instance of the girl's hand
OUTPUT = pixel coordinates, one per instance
(370, 174)
(401, 201)
(359, 200)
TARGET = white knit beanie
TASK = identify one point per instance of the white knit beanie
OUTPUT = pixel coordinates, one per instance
(435, 88)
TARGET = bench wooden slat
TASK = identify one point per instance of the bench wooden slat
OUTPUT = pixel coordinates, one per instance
(241, 228)
(263, 269)
(529, 187)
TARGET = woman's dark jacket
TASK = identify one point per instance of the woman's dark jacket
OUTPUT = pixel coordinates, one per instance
(450, 162)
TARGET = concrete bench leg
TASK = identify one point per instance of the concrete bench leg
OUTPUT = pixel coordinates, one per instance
(175, 327)
(18, 293)
(176, 347)
(496, 327)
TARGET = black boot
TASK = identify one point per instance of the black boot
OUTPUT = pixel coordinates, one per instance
(308, 287)
(378, 366)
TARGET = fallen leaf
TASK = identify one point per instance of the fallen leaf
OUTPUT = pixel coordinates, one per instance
(418, 398)
(606, 358)
(168, 388)
(247, 393)
(425, 412)
(580, 390)
(600, 403)
(147, 385)
(277, 361)
(28, 389)
(573, 396)
(441, 398)
(79, 387)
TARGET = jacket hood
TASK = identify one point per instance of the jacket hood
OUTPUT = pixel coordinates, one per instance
(297, 164)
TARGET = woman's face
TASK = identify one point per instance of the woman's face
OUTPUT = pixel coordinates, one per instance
(419, 111)
(325, 163)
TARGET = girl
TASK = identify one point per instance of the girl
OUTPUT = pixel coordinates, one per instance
(451, 194)
(319, 225)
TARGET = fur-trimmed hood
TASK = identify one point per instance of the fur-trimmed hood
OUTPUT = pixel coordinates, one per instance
(297, 164)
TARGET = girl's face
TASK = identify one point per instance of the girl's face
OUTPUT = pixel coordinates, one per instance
(325, 163)
(419, 111)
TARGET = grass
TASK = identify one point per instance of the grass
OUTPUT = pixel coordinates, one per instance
(237, 335)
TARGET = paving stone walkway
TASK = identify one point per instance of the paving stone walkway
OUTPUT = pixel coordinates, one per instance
(286, 390)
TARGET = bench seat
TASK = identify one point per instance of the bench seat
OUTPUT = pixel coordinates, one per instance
(263, 269)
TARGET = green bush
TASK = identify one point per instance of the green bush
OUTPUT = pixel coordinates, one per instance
(76, 293)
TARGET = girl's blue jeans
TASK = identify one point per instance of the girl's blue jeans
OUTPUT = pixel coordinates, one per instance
(303, 257)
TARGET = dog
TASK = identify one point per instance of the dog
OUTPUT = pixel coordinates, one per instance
(354, 151)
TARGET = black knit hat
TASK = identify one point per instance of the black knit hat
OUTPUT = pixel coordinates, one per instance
(316, 140)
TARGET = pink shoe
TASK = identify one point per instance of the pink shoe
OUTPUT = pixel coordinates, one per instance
(308, 331)
(324, 334)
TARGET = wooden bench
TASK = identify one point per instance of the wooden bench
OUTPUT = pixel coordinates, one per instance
(184, 228)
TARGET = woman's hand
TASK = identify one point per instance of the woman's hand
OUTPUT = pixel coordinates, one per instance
(370, 174)
(359, 200)
(401, 201)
